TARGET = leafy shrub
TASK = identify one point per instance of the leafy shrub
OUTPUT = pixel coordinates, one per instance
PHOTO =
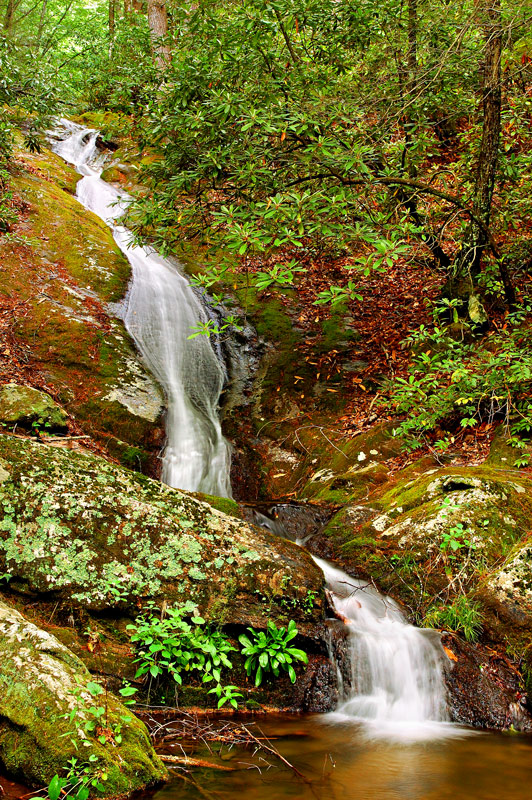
(173, 646)
(269, 651)
(455, 384)
(82, 779)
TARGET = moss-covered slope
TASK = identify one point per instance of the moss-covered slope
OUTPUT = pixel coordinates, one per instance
(62, 273)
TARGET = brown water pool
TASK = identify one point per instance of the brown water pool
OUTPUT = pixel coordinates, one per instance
(340, 762)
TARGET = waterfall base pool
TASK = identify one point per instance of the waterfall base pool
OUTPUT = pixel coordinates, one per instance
(339, 762)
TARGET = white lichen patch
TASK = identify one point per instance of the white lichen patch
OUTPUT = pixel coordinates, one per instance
(514, 580)
(381, 523)
(136, 390)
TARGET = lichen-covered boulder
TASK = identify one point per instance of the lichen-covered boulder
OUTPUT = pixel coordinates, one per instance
(41, 683)
(512, 582)
(414, 530)
(80, 529)
(26, 407)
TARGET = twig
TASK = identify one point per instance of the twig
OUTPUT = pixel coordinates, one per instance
(187, 761)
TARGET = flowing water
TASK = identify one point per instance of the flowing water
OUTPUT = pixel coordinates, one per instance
(389, 738)
(162, 312)
(396, 684)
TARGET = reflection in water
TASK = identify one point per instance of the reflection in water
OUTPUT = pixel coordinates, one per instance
(341, 764)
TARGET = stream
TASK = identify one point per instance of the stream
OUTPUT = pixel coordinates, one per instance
(390, 736)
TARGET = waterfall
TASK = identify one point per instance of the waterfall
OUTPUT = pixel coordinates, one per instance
(162, 310)
(389, 673)
(396, 686)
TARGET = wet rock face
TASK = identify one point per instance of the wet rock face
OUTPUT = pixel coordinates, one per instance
(316, 691)
(484, 689)
(293, 521)
(24, 407)
(41, 681)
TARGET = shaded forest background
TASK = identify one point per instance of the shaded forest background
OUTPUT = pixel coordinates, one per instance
(376, 159)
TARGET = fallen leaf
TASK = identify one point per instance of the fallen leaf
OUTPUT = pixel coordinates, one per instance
(450, 654)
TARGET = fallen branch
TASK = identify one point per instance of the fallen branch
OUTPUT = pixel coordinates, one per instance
(187, 761)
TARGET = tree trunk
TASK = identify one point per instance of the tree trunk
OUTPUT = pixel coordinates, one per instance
(476, 240)
(8, 19)
(411, 56)
(158, 22)
(408, 198)
(112, 10)
(42, 19)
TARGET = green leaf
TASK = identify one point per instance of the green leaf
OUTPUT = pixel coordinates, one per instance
(94, 688)
(54, 787)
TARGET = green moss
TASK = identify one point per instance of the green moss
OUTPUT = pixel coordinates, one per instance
(25, 407)
(335, 333)
(223, 504)
(41, 682)
(80, 239)
(104, 537)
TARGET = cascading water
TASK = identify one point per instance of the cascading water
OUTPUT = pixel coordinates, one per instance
(162, 310)
(396, 684)
(395, 687)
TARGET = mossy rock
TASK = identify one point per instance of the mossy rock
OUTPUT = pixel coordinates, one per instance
(224, 504)
(400, 537)
(103, 537)
(26, 407)
(41, 681)
(344, 470)
(512, 582)
(70, 333)
(504, 455)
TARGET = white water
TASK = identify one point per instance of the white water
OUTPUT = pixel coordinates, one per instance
(162, 310)
(396, 686)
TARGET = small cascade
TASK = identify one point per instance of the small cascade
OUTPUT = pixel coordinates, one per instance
(396, 684)
(389, 673)
(162, 310)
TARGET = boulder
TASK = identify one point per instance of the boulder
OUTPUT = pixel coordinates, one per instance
(77, 528)
(25, 407)
(44, 705)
